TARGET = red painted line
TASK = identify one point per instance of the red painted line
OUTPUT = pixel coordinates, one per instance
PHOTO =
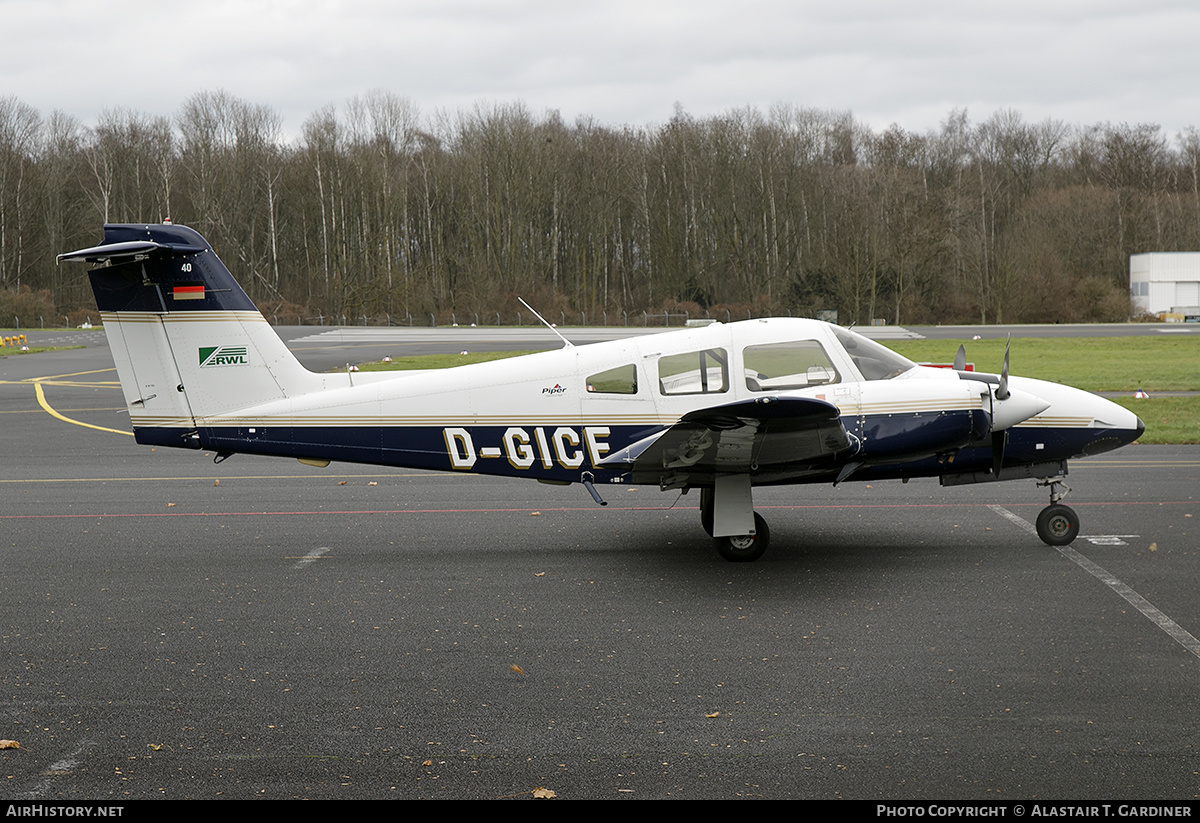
(529, 509)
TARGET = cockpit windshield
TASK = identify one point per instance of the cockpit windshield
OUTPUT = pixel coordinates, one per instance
(876, 362)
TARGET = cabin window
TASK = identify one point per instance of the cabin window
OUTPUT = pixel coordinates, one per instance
(697, 372)
(621, 380)
(796, 364)
(874, 361)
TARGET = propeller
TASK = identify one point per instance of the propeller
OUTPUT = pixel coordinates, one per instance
(1002, 389)
(999, 441)
(1022, 407)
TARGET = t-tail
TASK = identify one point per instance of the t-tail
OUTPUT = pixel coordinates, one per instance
(187, 342)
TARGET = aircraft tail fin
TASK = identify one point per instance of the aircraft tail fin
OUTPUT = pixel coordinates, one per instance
(188, 343)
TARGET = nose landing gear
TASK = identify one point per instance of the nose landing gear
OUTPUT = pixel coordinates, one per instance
(1057, 525)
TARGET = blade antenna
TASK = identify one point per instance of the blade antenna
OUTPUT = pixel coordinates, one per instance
(567, 344)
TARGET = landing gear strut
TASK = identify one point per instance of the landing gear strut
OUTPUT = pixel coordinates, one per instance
(706, 510)
(1057, 525)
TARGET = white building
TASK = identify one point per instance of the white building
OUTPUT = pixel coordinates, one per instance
(1165, 281)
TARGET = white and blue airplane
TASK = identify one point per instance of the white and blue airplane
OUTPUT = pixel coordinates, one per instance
(721, 409)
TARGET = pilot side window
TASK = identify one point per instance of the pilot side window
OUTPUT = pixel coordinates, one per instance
(697, 372)
(621, 380)
(796, 364)
(875, 361)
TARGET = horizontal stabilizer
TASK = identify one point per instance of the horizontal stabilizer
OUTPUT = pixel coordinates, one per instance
(128, 250)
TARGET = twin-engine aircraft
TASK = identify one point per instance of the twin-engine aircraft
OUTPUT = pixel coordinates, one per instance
(721, 409)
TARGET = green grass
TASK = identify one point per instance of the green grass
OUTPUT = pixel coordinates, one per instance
(1168, 419)
(6, 351)
(437, 361)
(1164, 363)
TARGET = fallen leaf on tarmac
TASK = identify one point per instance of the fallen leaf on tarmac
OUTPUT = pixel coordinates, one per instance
(342, 483)
(216, 482)
(169, 505)
(9, 744)
(372, 483)
(155, 747)
(1153, 547)
(427, 763)
(534, 514)
(539, 574)
(542, 793)
(714, 714)
(516, 668)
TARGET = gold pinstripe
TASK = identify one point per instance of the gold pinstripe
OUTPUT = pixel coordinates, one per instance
(343, 420)
(182, 317)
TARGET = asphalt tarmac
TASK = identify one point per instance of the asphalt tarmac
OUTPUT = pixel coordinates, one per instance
(175, 628)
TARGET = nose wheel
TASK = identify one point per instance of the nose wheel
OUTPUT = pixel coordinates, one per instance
(1057, 525)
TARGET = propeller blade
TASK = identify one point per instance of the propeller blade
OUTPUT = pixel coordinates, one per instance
(960, 359)
(999, 441)
(1002, 389)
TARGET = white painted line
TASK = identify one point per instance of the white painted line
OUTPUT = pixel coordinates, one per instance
(58, 768)
(1020, 521)
(1180, 635)
(311, 557)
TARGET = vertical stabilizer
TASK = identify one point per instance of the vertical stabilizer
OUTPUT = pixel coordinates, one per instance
(187, 341)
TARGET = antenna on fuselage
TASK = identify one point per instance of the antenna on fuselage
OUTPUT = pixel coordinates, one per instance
(566, 343)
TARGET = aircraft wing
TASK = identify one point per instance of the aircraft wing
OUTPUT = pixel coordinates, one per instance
(764, 434)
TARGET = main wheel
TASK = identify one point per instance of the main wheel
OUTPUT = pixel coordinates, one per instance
(1058, 525)
(747, 547)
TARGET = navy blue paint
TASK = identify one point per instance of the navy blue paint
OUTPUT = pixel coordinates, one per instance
(147, 285)
(425, 448)
(422, 447)
(895, 437)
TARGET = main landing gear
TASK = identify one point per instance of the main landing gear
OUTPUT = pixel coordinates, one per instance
(738, 548)
(1057, 525)
(746, 547)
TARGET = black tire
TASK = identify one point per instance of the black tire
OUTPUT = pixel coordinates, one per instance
(746, 548)
(1058, 525)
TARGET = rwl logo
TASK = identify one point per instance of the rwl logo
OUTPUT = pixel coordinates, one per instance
(223, 356)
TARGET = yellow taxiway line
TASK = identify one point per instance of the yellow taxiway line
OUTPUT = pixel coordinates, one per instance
(60, 380)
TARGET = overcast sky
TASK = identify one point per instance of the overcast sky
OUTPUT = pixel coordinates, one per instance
(620, 62)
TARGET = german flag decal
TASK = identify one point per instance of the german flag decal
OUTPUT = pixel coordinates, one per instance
(188, 290)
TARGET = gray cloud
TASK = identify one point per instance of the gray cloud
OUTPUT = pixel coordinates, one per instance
(618, 61)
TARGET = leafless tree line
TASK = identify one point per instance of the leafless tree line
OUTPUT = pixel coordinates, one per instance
(375, 211)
